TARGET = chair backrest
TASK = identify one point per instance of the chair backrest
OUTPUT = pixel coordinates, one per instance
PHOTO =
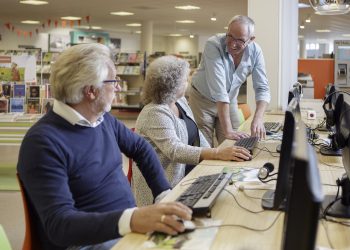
(31, 237)
(245, 110)
(129, 175)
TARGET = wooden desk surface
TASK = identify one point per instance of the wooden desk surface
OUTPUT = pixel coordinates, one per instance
(227, 210)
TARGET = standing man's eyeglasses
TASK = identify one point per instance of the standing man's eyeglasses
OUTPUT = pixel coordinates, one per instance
(237, 41)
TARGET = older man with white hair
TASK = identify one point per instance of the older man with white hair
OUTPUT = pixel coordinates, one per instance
(70, 162)
(228, 59)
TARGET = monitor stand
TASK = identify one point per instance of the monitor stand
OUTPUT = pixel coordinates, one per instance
(267, 201)
(328, 151)
(340, 208)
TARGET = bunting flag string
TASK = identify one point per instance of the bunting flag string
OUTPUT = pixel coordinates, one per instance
(46, 24)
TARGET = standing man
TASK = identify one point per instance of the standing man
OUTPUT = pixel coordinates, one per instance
(228, 59)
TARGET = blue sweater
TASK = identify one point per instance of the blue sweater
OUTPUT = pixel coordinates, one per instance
(74, 180)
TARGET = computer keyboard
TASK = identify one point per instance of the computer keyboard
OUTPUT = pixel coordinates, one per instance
(202, 193)
(273, 126)
(248, 143)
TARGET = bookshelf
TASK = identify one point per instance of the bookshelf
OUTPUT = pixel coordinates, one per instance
(130, 68)
(43, 66)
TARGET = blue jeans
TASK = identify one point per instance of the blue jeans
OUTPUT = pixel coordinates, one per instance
(107, 245)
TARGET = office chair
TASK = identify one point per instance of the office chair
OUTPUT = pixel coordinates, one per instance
(31, 237)
(245, 110)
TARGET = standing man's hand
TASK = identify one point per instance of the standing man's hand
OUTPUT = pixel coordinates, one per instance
(257, 128)
(236, 135)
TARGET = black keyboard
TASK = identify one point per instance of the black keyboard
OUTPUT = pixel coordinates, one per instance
(273, 126)
(202, 193)
(248, 143)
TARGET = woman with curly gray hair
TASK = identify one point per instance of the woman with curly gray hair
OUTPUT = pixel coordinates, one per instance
(167, 123)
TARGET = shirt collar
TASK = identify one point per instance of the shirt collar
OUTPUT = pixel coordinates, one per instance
(73, 116)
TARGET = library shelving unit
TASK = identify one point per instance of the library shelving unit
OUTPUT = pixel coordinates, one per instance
(43, 67)
(130, 68)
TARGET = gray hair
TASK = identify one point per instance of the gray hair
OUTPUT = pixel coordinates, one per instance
(77, 67)
(164, 78)
(244, 20)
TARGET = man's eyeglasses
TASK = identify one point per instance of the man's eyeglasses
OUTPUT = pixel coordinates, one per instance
(115, 82)
(237, 41)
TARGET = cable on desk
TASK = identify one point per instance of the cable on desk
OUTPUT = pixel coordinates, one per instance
(249, 196)
(244, 208)
(265, 149)
(330, 165)
(327, 234)
(245, 227)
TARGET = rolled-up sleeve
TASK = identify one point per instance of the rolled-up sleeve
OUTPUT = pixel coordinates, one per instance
(260, 82)
(215, 72)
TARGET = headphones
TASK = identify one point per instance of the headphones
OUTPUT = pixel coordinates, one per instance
(265, 172)
(328, 109)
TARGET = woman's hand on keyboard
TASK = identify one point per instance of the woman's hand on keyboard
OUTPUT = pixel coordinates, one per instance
(233, 153)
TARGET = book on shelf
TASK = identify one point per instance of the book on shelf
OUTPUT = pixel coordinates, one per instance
(120, 69)
(6, 89)
(123, 57)
(136, 70)
(128, 70)
(139, 57)
(19, 90)
(17, 105)
(47, 105)
(132, 57)
(4, 105)
(46, 69)
(34, 91)
(33, 106)
(48, 90)
(47, 57)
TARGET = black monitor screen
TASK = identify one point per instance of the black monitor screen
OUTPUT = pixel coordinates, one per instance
(304, 197)
(275, 199)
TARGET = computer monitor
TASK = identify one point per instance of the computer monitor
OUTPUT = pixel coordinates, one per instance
(340, 206)
(305, 196)
(275, 199)
(296, 92)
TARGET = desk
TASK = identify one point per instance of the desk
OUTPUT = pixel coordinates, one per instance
(227, 210)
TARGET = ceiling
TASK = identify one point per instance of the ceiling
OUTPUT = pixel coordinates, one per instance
(163, 14)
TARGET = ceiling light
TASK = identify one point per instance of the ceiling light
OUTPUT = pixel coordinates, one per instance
(300, 36)
(308, 20)
(96, 27)
(330, 7)
(133, 24)
(185, 21)
(191, 36)
(30, 22)
(34, 2)
(84, 27)
(187, 7)
(71, 18)
(122, 13)
(346, 35)
(323, 31)
(226, 27)
(138, 32)
(213, 18)
(302, 27)
(175, 35)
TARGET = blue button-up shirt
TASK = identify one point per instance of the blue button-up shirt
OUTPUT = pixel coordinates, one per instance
(219, 80)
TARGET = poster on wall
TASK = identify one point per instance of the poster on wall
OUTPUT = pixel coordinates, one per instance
(17, 67)
(58, 42)
(78, 37)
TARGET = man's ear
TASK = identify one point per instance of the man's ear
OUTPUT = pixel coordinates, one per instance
(90, 92)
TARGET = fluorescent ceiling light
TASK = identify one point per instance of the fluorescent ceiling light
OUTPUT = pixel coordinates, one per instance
(175, 35)
(346, 35)
(191, 36)
(133, 24)
(138, 32)
(302, 27)
(96, 27)
(122, 13)
(213, 18)
(323, 31)
(185, 21)
(308, 20)
(187, 7)
(71, 18)
(30, 22)
(34, 2)
(83, 27)
(300, 36)
(226, 27)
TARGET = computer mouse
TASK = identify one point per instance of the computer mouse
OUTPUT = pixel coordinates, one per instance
(189, 225)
